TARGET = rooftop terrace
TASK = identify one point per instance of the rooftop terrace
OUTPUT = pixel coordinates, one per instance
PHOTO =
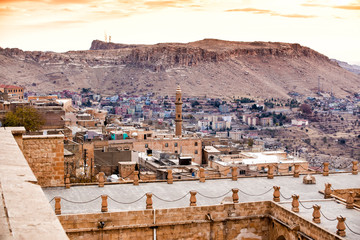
(127, 197)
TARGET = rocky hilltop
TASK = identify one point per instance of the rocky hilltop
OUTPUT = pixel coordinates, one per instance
(208, 67)
(350, 67)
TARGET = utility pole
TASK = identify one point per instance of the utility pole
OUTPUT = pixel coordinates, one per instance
(85, 155)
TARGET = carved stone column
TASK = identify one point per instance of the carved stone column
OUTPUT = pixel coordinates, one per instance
(235, 195)
(234, 173)
(57, 206)
(101, 179)
(341, 226)
(316, 214)
(326, 169)
(193, 198)
(170, 178)
(136, 178)
(295, 203)
(202, 175)
(149, 201)
(104, 204)
(276, 195)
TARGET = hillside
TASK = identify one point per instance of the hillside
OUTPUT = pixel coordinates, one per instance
(351, 68)
(207, 67)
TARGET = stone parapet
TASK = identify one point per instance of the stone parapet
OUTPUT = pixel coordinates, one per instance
(251, 220)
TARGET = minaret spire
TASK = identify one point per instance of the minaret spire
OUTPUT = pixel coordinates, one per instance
(178, 112)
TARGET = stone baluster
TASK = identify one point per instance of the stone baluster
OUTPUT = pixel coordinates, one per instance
(193, 198)
(270, 172)
(235, 195)
(136, 178)
(202, 175)
(341, 226)
(170, 178)
(149, 202)
(101, 179)
(355, 167)
(57, 206)
(104, 203)
(316, 213)
(234, 173)
(67, 181)
(327, 191)
(350, 200)
(276, 195)
(326, 169)
(295, 203)
(296, 170)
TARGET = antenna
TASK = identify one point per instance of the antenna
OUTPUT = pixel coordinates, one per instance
(105, 36)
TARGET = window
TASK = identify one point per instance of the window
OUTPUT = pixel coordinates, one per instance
(196, 143)
(196, 151)
(290, 168)
(146, 145)
(175, 144)
(242, 172)
(166, 144)
(176, 152)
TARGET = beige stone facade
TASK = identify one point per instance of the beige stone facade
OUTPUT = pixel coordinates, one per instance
(45, 155)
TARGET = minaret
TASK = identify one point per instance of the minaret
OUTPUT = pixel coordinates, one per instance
(178, 112)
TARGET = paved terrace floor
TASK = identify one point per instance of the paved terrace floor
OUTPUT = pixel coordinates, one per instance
(248, 189)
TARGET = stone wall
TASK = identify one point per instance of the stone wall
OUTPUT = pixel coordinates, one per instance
(207, 222)
(289, 224)
(45, 155)
(245, 221)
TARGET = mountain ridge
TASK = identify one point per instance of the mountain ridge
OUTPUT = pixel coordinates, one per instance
(207, 67)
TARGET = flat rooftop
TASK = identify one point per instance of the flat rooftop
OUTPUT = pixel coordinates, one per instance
(128, 197)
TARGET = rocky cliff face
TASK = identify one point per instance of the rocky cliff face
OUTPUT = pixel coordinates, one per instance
(164, 56)
(211, 67)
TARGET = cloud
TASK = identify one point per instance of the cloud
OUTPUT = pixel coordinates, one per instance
(50, 1)
(351, 6)
(269, 12)
(293, 15)
(56, 24)
(6, 11)
(252, 10)
(312, 5)
(167, 4)
(348, 7)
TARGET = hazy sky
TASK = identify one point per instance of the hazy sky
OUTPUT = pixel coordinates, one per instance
(331, 27)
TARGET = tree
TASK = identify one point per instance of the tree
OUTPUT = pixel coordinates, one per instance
(305, 108)
(195, 103)
(250, 142)
(28, 117)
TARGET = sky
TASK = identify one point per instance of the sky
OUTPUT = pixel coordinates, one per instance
(331, 27)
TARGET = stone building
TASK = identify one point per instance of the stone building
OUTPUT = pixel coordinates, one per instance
(14, 93)
(223, 208)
